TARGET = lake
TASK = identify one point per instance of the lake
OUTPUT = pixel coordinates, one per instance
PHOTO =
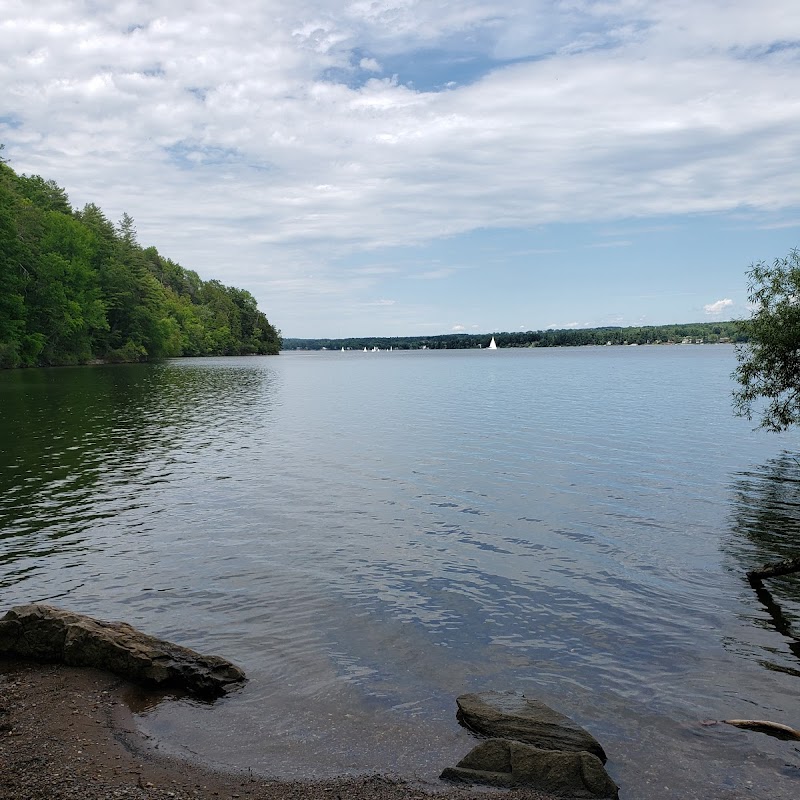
(371, 534)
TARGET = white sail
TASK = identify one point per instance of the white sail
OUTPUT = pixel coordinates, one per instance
(493, 344)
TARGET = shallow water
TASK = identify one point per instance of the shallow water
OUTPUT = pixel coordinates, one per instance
(369, 535)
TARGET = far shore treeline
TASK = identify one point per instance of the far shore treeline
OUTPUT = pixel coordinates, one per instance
(75, 288)
(691, 333)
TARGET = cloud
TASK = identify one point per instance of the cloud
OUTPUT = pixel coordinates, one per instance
(435, 274)
(370, 65)
(246, 145)
(375, 270)
(620, 243)
(717, 308)
(458, 328)
(790, 223)
(565, 326)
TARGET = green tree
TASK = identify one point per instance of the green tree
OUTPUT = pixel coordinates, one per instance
(135, 300)
(769, 362)
(13, 278)
(74, 287)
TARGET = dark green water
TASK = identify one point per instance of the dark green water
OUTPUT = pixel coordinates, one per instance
(369, 535)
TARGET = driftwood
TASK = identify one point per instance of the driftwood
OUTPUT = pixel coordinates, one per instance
(763, 726)
(784, 567)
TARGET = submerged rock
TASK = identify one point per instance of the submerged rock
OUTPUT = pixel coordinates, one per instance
(45, 633)
(505, 763)
(511, 715)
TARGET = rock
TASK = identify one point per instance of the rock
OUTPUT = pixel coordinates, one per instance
(44, 633)
(509, 764)
(511, 715)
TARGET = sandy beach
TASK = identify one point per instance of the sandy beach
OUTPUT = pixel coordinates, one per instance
(68, 734)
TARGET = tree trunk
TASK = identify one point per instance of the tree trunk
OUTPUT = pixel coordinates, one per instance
(784, 567)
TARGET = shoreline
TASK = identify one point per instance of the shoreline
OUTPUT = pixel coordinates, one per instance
(68, 733)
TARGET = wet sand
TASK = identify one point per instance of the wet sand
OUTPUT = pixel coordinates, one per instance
(68, 734)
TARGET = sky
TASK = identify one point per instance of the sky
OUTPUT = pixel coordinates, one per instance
(417, 167)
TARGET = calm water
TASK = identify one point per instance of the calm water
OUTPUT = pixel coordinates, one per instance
(369, 535)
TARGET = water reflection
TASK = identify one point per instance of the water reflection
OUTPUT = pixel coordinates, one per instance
(82, 447)
(370, 537)
(766, 524)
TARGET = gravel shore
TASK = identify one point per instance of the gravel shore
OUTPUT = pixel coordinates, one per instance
(67, 734)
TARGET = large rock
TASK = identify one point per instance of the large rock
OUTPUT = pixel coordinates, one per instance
(511, 715)
(508, 764)
(44, 633)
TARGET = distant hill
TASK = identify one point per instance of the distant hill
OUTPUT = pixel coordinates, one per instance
(75, 288)
(690, 333)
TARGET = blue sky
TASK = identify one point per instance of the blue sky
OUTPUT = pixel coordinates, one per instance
(398, 167)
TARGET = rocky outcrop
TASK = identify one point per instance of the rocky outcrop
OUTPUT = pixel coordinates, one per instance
(509, 764)
(531, 745)
(44, 633)
(511, 715)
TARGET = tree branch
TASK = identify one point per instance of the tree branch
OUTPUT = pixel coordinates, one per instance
(774, 569)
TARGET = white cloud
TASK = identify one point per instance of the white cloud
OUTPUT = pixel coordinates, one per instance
(458, 328)
(370, 65)
(565, 326)
(222, 128)
(435, 274)
(715, 309)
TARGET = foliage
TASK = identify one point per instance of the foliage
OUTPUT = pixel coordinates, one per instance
(769, 363)
(700, 332)
(76, 288)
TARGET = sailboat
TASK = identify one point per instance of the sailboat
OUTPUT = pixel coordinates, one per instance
(493, 344)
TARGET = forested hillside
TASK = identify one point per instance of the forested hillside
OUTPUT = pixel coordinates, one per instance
(75, 288)
(691, 333)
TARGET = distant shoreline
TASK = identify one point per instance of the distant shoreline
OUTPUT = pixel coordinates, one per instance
(690, 333)
(510, 347)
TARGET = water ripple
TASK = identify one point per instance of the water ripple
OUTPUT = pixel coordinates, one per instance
(370, 537)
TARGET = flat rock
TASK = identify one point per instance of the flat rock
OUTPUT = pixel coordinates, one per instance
(44, 633)
(511, 715)
(509, 764)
